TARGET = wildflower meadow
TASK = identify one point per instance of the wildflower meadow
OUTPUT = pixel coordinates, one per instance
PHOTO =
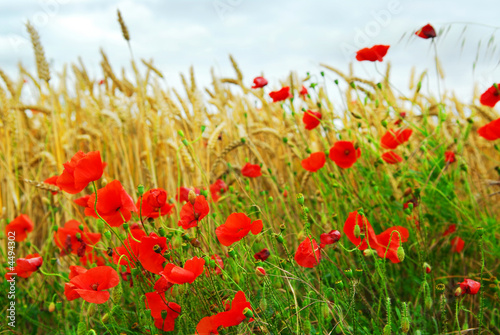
(250, 206)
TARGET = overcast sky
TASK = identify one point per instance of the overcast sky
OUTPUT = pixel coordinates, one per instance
(270, 37)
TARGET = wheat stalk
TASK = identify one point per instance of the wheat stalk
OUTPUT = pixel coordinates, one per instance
(41, 62)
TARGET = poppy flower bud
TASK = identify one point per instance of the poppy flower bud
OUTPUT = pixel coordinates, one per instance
(231, 253)
(100, 225)
(52, 307)
(263, 304)
(285, 140)
(53, 261)
(384, 123)
(91, 310)
(55, 228)
(248, 312)
(357, 231)
(184, 246)
(280, 238)
(212, 263)
(204, 193)
(352, 84)
(458, 292)
(162, 232)
(140, 190)
(401, 253)
(270, 199)
(195, 243)
(260, 271)
(428, 302)
(358, 273)
(348, 273)
(125, 226)
(185, 142)
(107, 234)
(58, 305)
(427, 268)
(368, 252)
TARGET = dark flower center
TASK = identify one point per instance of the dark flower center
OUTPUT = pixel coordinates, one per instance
(347, 152)
(157, 248)
(94, 286)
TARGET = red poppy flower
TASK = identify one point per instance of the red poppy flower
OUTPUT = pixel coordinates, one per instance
(192, 214)
(426, 32)
(385, 244)
(303, 92)
(234, 316)
(344, 154)
(308, 253)
(251, 170)
(91, 284)
(365, 229)
(451, 229)
(449, 157)
(281, 95)
(219, 266)
(311, 119)
(457, 244)
(113, 204)
(73, 240)
(490, 131)
(193, 268)
(82, 169)
(330, 238)
(470, 286)
(236, 227)
(183, 193)
(157, 304)
(75, 270)
(25, 266)
(19, 228)
(151, 251)
(154, 203)
(259, 82)
(390, 157)
(389, 241)
(314, 162)
(52, 181)
(217, 188)
(83, 201)
(491, 96)
(375, 53)
(262, 255)
(393, 138)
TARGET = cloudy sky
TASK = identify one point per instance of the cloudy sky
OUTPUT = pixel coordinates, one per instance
(270, 37)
